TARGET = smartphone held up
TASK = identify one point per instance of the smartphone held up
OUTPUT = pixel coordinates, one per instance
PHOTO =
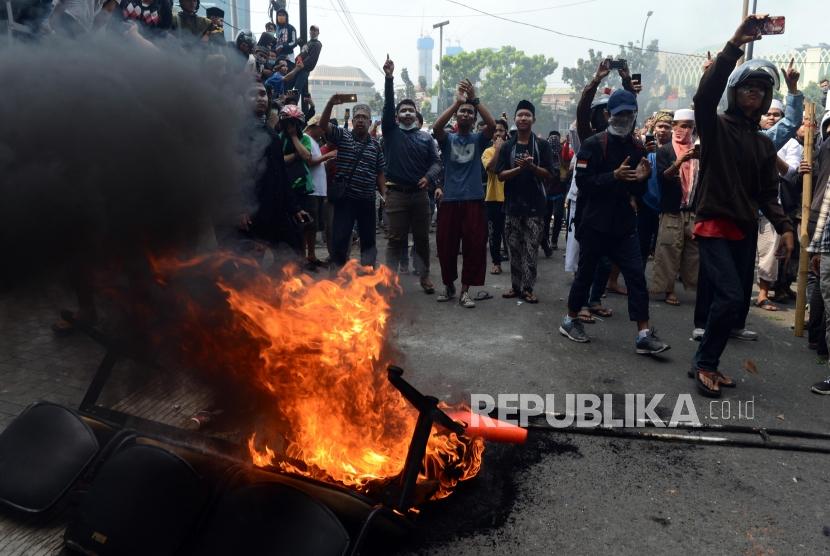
(769, 25)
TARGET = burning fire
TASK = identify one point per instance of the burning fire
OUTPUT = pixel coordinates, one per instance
(320, 355)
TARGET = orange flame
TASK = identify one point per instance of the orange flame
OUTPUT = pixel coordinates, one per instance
(320, 355)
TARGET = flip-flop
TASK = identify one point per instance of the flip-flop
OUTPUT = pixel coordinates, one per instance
(496, 270)
(673, 301)
(616, 290)
(601, 311)
(712, 391)
(766, 305)
(529, 297)
(510, 294)
(428, 287)
(482, 295)
(585, 317)
(723, 380)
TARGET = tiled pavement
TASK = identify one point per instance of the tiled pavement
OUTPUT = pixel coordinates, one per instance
(34, 363)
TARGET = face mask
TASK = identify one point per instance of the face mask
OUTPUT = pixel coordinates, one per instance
(621, 125)
(413, 125)
(270, 63)
(683, 135)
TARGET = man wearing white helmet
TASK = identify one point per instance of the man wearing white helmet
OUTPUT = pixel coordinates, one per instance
(737, 178)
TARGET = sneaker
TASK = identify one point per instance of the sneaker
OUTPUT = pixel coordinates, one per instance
(466, 301)
(822, 387)
(697, 334)
(743, 334)
(574, 331)
(650, 344)
(449, 293)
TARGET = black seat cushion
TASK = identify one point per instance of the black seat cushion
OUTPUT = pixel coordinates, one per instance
(42, 453)
(269, 519)
(144, 500)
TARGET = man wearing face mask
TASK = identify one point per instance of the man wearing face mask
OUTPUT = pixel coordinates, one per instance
(611, 167)
(412, 167)
(737, 178)
(286, 36)
(676, 252)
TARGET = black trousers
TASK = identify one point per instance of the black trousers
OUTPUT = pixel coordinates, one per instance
(623, 251)
(729, 269)
(648, 222)
(346, 213)
(558, 218)
(495, 227)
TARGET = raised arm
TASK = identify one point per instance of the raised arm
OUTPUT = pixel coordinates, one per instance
(325, 117)
(714, 79)
(583, 109)
(388, 119)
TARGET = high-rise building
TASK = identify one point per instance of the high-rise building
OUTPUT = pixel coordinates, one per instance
(425, 46)
(237, 18)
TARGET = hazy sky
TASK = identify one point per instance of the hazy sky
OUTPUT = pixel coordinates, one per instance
(394, 26)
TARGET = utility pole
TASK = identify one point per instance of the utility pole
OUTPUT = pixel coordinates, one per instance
(440, 27)
(744, 13)
(304, 19)
(750, 45)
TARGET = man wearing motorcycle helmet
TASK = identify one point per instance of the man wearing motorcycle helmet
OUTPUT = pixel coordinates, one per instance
(737, 178)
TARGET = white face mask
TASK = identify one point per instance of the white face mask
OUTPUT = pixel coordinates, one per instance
(413, 125)
(621, 125)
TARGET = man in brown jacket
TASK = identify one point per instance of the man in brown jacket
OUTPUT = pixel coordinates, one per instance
(737, 178)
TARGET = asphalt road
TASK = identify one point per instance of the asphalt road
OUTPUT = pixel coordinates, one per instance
(560, 492)
(575, 494)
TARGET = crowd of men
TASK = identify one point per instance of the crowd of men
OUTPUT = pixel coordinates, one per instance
(700, 190)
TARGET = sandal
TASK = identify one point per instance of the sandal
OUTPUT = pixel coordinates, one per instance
(723, 380)
(482, 295)
(671, 299)
(427, 286)
(585, 317)
(766, 305)
(617, 290)
(510, 294)
(530, 297)
(601, 311)
(496, 269)
(708, 383)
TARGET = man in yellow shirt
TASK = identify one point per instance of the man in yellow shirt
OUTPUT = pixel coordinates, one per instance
(494, 197)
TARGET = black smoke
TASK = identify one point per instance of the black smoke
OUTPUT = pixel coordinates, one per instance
(108, 151)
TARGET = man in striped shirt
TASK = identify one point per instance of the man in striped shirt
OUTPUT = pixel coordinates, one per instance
(360, 163)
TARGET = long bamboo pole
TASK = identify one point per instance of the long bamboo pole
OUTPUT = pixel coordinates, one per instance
(803, 239)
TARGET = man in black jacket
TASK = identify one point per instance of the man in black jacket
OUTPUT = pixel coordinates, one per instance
(737, 178)
(611, 167)
(271, 214)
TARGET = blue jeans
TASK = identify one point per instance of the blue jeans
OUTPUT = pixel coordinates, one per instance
(346, 213)
(624, 252)
(728, 268)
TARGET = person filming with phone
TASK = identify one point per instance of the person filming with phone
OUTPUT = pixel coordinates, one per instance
(360, 171)
(738, 177)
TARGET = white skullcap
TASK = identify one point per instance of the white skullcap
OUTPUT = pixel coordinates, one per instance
(684, 114)
(777, 104)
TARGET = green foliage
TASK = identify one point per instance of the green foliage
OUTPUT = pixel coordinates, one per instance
(409, 90)
(812, 92)
(644, 62)
(376, 104)
(502, 77)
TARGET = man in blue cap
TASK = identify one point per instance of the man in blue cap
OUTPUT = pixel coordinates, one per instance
(612, 167)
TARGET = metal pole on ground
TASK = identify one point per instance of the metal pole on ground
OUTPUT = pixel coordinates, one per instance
(803, 238)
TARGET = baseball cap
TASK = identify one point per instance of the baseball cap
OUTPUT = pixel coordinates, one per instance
(620, 101)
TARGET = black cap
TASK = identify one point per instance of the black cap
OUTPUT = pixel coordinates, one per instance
(213, 11)
(526, 105)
